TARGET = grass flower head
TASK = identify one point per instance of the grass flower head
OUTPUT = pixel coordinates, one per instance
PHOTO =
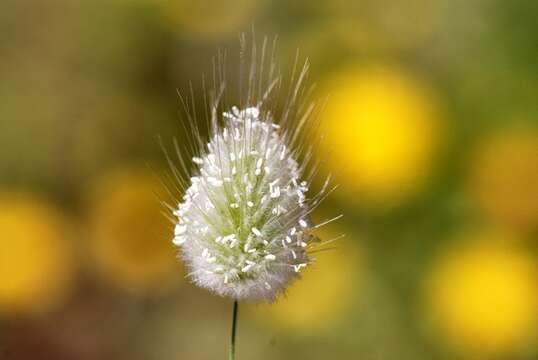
(243, 222)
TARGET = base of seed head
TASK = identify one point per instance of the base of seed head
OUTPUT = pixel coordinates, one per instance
(243, 223)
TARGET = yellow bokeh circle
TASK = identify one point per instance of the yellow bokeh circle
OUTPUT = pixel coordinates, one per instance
(322, 295)
(381, 129)
(36, 267)
(504, 177)
(484, 296)
(130, 240)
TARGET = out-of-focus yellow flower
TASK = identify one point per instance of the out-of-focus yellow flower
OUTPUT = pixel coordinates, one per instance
(131, 237)
(484, 296)
(211, 19)
(504, 177)
(326, 290)
(382, 131)
(35, 265)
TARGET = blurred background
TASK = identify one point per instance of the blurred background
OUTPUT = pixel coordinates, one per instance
(432, 124)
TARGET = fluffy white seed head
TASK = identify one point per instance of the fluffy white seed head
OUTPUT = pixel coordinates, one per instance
(243, 221)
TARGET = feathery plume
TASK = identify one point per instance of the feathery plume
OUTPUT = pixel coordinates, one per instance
(243, 223)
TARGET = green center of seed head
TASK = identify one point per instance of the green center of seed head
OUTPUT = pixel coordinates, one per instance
(242, 217)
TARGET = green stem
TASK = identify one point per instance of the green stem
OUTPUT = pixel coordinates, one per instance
(234, 326)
